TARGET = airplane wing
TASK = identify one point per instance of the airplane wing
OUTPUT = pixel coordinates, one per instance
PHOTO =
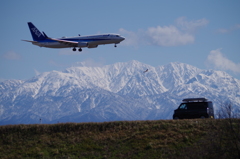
(70, 43)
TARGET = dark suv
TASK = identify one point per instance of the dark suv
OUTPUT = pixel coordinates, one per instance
(194, 108)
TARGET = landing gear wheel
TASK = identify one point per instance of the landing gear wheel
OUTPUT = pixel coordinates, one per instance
(79, 49)
(115, 45)
(74, 49)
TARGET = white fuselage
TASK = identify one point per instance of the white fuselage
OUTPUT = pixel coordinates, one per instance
(80, 41)
(92, 41)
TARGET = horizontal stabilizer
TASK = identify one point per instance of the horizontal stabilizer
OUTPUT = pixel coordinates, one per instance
(30, 41)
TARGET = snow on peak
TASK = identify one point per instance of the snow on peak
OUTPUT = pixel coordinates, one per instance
(119, 91)
(175, 73)
(125, 77)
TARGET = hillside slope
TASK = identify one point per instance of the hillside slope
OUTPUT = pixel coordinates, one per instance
(123, 139)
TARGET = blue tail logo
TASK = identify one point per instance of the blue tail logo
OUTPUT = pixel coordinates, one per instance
(36, 34)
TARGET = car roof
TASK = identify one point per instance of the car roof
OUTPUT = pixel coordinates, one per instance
(195, 100)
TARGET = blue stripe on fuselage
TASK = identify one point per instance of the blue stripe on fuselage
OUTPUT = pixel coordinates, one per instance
(84, 40)
(74, 40)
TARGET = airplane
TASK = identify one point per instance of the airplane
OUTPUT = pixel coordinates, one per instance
(91, 41)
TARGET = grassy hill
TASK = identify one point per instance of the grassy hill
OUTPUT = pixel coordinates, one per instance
(124, 139)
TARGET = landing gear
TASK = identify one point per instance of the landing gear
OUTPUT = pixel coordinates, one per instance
(74, 49)
(115, 45)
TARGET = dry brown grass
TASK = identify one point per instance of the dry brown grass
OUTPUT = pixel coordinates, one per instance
(120, 139)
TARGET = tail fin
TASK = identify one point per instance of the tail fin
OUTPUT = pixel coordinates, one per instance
(36, 34)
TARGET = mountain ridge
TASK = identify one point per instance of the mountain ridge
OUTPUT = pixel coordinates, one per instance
(121, 91)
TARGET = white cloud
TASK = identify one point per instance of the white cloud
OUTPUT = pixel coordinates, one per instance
(12, 56)
(91, 63)
(57, 64)
(217, 59)
(131, 38)
(231, 29)
(181, 34)
(36, 72)
(168, 36)
(222, 31)
(191, 26)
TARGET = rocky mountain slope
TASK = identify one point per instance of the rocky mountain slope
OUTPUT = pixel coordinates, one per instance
(121, 91)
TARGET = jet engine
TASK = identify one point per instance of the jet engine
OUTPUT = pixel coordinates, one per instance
(82, 44)
(92, 46)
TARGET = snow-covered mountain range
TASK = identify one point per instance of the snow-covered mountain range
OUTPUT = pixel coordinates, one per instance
(121, 91)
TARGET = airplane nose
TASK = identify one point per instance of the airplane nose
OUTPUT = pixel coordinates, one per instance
(122, 38)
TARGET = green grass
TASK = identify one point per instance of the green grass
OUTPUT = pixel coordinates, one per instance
(121, 139)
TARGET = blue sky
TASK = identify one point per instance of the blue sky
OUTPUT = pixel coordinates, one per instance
(205, 34)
